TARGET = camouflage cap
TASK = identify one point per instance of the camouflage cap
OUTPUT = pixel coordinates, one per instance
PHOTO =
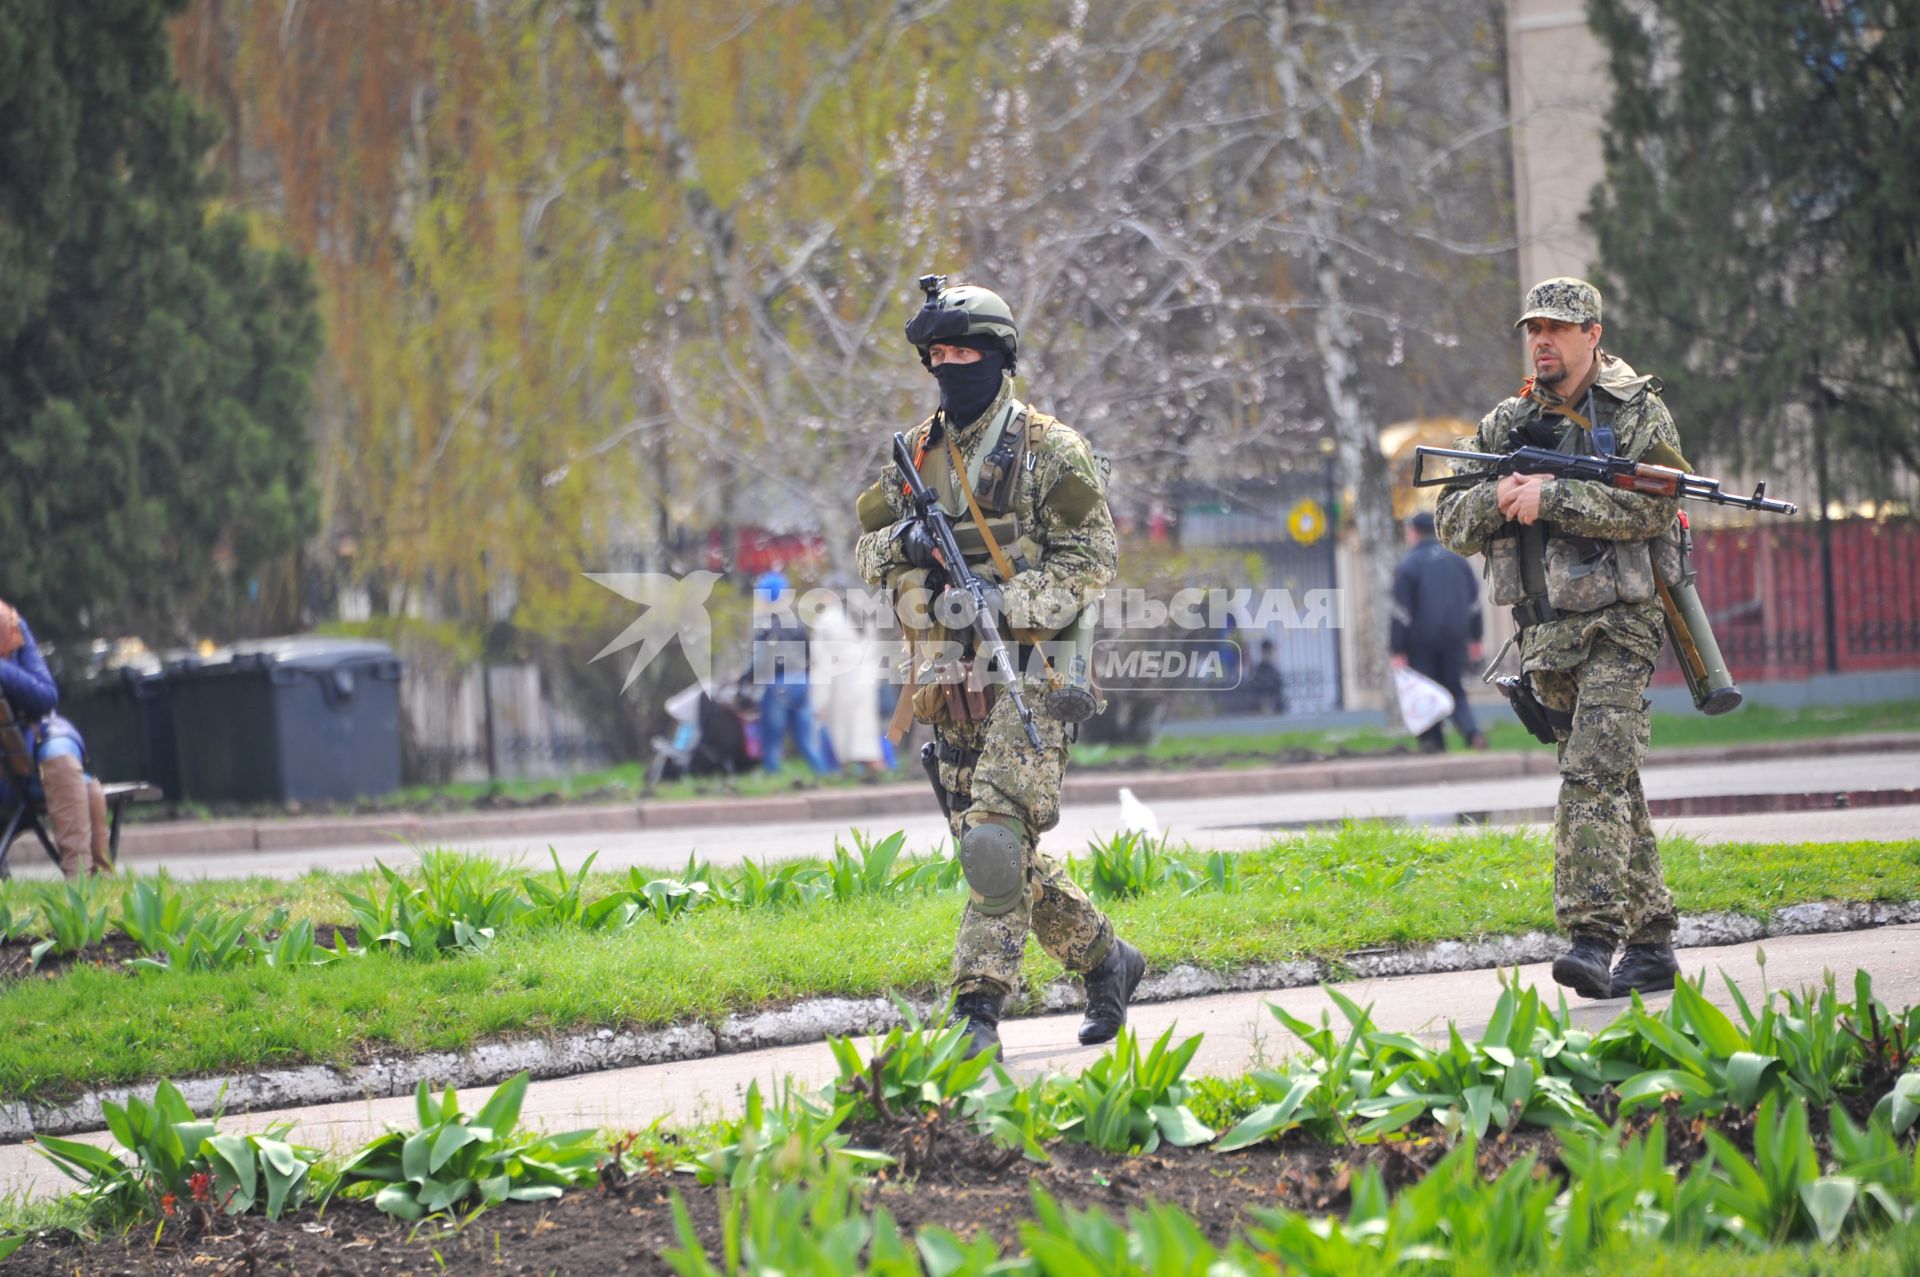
(1571, 301)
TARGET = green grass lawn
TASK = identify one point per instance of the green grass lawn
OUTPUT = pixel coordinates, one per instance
(1745, 726)
(1321, 894)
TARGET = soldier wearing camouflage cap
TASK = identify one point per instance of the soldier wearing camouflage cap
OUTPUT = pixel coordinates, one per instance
(1572, 559)
(1027, 498)
(1563, 300)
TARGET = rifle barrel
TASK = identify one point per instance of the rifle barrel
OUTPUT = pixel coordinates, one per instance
(1691, 486)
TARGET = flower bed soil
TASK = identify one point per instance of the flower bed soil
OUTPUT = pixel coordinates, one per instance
(115, 952)
(944, 1176)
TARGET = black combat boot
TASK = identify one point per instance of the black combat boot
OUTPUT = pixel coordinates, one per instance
(1645, 968)
(1110, 986)
(1583, 968)
(980, 1012)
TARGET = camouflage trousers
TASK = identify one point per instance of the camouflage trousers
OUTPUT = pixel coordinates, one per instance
(1606, 865)
(1008, 778)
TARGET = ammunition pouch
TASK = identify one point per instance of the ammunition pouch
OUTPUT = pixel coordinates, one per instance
(1504, 585)
(1543, 574)
(1549, 726)
(951, 692)
(1584, 574)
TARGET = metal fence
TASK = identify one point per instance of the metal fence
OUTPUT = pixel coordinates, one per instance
(1794, 600)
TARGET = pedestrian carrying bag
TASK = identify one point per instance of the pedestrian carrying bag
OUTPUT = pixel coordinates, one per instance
(1423, 702)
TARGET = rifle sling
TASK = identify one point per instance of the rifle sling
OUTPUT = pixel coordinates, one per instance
(998, 555)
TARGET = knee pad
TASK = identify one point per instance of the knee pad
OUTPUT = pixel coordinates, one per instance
(993, 858)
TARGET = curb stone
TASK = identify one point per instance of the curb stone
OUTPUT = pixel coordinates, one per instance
(816, 1019)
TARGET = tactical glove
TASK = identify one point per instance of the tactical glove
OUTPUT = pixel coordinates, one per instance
(914, 544)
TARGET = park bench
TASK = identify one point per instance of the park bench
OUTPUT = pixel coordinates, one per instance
(29, 815)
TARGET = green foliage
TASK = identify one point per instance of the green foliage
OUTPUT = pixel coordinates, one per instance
(1532, 1065)
(1128, 1102)
(757, 887)
(175, 1161)
(851, 877)
(206, 944)
(914, 1066)
(668, 898)
(1529, 1066)
(154, 365)
(70, 1031)
(822, 1229)
(1808, 1044)
(73, 915)
(459, 904)
(451, 1160)
(1450, 1215)
(13, 924)
(1780, 1195)
(1127, 865)
(796, 1137)
(1154, 1241)
(1220, 875)
(294, 946)
(794, 1182)
(1776, 288)
(564, 903)
(152, 912)
(917, 1066)
(1223, 1103)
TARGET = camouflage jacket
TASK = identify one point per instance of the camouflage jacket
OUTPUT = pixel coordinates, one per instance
(1468, 517)
(1059, 496)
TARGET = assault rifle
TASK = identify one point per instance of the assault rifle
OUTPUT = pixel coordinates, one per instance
(1615, 472)
(961, 577)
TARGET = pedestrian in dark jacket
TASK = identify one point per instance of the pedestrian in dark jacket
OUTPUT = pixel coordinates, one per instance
(1437, 625)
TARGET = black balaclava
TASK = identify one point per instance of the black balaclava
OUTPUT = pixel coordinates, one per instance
(966, 390)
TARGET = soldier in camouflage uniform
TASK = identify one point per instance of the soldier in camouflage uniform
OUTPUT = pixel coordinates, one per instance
(1047, 546)
(1571, 558)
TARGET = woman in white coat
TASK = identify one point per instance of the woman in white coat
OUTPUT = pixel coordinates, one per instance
(844, 666)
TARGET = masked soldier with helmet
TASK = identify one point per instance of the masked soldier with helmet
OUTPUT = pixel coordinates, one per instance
(1027, 500)
(1572, 558)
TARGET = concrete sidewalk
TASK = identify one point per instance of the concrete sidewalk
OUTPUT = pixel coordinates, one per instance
(1239, 1034)
(1229, 822)
(844, 806)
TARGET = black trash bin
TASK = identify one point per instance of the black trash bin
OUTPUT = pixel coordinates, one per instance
(289, 720)
(126, 717)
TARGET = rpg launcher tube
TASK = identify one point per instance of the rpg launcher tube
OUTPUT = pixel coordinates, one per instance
(1700, 661)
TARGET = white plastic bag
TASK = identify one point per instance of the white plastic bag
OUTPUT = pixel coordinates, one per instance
(1423, 702)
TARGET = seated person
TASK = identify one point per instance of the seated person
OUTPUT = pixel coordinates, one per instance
(76, 803)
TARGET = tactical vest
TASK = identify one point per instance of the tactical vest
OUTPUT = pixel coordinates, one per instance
(1000, 471)
(1542, 572)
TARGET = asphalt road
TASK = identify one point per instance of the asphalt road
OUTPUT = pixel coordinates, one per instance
(1239, 1033)
(1231, 824)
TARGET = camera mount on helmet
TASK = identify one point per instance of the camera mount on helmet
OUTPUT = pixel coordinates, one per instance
(938, 320)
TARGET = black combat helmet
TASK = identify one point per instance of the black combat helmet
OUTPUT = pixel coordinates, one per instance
(962, 311)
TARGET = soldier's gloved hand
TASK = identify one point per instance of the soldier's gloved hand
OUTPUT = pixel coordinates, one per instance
(913, 543)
